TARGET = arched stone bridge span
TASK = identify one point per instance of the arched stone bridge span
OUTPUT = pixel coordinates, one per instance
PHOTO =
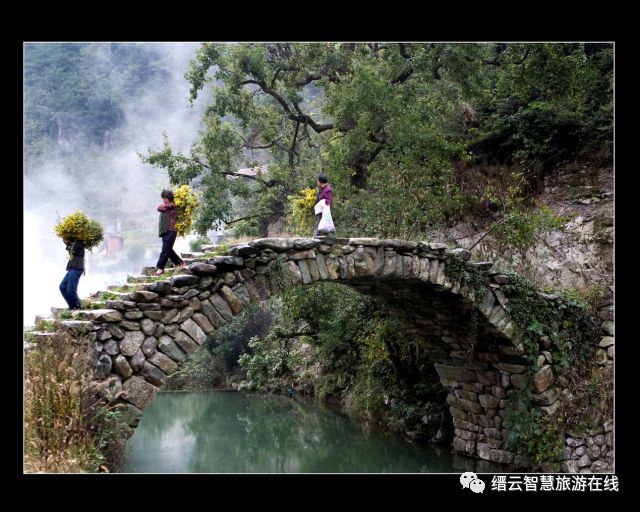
(147, 332)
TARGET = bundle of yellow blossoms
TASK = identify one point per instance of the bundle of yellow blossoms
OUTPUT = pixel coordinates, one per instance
(300, 216)
(306, 200)
(80, 227)
(187, 203)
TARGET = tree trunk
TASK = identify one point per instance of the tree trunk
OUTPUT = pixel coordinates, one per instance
(359, 178)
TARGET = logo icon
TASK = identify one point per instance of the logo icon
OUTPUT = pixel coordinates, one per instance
(471, 481)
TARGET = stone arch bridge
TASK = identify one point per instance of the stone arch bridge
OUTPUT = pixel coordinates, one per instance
(146, 333)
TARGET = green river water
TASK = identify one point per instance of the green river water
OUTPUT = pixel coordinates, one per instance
(234, 432)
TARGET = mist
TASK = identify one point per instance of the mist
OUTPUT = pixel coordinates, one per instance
(110, 184)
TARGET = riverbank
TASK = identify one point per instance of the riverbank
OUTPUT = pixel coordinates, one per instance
(67, 429)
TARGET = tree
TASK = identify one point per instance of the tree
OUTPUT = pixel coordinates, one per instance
(351, 103)
(383, 119)
(74, 91)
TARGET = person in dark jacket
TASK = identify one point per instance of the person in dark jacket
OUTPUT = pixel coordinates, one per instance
(326, 193)
(167, 231)
(75, 269)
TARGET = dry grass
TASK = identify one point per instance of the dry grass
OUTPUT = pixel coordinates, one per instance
(67, 429)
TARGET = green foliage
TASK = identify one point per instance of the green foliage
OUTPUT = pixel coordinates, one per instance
(353, 353)
(275, 274)
(200, 372)
(591, 400)
(103, 296)
(572, 332)
(196, 245)
(550, 100)
(522, 227)
(162, 277)
(388, 122)
(218, 250)
(45, 326)
(273, 361)
(246, 227)
(308, 314)
(95, 305)
(457, 270)
(216, 365)
(232, 340)
(531, 433)
(590, 297)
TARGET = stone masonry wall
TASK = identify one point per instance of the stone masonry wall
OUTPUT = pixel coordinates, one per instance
(148, 331)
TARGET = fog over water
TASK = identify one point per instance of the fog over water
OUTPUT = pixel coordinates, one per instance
(110, 184)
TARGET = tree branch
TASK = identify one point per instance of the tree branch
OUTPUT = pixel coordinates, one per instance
(243, 218)
(500, 48)
(404, 76)
(294, 335)
(275, 76)
(259, 147)
(300, 116)
(525, 56)
(292, 148)
(310, 78)
(267, 184)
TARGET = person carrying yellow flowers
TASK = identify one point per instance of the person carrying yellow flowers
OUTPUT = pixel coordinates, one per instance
(78, 232)
(168, 232)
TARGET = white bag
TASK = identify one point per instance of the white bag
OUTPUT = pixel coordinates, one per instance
(326, 225)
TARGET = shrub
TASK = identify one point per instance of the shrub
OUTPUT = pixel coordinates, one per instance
(196, 245)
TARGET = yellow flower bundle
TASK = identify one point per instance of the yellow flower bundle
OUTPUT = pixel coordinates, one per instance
(300, 217)
(80, 227)
(306, 200)
(187, 203)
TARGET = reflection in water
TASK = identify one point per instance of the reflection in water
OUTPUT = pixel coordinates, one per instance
(229, 432)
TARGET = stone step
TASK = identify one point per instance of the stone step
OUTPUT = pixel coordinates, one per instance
(191, 255)
(38, 336)
(118, 287)
(44, 318)
(76, 326)
(113, 295)
(136, 279)
(98, 315)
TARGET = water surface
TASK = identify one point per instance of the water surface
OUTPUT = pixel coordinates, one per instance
(234, 432)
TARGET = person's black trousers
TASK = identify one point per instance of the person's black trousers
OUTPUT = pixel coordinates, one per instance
(168, 239)
(315, 227)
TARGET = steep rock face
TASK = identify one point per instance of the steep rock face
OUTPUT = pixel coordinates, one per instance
(578, 255)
